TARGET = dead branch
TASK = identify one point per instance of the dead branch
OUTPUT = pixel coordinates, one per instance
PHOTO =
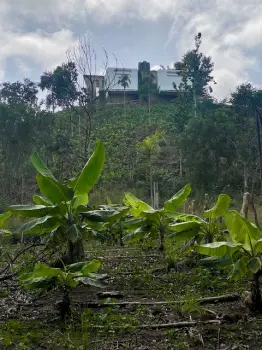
(12, 260)
(166, 325)
(129, 257)
(201, 301)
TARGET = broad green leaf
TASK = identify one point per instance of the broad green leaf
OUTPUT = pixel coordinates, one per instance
(91, 267)
(37, 283)
(4, 217)
(137, 206)
(118, 214)
(153, 216)
(90, 282)
(183, 226)
(220, 208)
(110, 216)
(183, 236)
(91, 171)
(41, 200)
(239, 269)
(134, 223)
(73, 233)
(178, 199)
(185, 217)
(86, 267)
(72, 182)
(258, 246)
(33, 211)
(43, 270)
(41, 225)
(80, 200)
(254, 265)
(241, 230)
(40, 166)
(53, 190)
(135, 236)
(42, 276)
(213, 261)
(218, 248)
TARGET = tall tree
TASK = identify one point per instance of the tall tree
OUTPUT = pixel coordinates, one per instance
(195, 69)
(124, 81)
(61, 84)
(246, 102)
(19, 92)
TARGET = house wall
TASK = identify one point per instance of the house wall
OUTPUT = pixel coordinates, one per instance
(166, 78)
(114, 74)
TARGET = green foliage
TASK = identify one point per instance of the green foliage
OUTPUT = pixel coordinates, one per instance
(220, 207)
(59, 217)
(46, 277)
(178, 199)
(153, 221)
(243, 245)
(195, 229)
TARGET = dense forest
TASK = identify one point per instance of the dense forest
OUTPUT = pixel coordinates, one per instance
(126, 197)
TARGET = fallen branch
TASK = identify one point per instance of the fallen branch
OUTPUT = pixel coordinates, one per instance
(185, 324)
(178, 324)
(207, 300)
(128, 257)
(220, 299)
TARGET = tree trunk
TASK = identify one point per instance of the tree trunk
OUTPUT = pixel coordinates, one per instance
(245, 178)
(256, 300)
(125, 101)
(65, 306)
(76, 251)
(22, 186)
(180, 164)
(245, 205)
(162, 238)
(155, 195)
(195, 103)
(151, 181)
(259, 148)
(149, 108)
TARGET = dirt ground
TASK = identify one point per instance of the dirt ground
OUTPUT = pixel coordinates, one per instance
(134, 275)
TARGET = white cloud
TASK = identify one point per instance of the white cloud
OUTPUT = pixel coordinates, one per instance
(230, 28)
(46, 50)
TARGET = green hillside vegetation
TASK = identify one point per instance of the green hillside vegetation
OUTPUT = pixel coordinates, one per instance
(118, 222)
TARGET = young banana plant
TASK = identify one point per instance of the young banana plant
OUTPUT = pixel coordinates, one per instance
(56, 215)
(153, 222)
(47, 278)
(193, 229)
(242, 250)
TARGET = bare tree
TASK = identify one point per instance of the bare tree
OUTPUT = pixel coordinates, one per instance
(92, 84)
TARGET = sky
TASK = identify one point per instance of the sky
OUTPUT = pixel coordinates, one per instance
(36, 34)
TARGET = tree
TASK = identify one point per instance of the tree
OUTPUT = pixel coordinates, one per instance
(48, 278)
(195, 69)
(148, 146)
(18, 92)
(62, 85)
(246, 102)
(57, 215)
(147, 87)
(242, 251)
(154, 222)
(124, 81)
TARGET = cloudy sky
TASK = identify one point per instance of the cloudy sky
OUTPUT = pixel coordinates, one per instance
(35, 34)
